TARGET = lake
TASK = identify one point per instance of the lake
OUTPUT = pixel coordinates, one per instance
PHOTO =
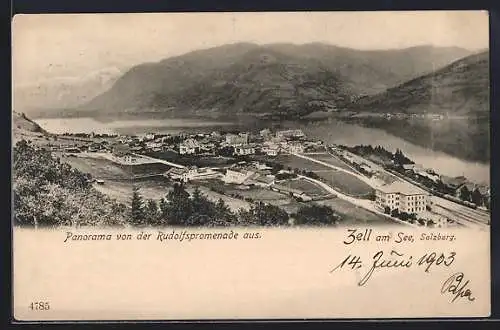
(333, 132)
(131, 127)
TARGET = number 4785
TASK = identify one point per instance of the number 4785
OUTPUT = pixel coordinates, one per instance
(40, 306)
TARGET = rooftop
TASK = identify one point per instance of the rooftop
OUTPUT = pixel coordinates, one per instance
(402, 188)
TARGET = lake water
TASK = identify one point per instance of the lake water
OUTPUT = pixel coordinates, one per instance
(130, 127)
(332, 132)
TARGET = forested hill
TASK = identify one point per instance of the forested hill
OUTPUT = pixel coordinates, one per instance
(270, 78)
(458, 92)
(459, 89)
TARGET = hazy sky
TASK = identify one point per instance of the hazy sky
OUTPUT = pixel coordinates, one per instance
(47, 46)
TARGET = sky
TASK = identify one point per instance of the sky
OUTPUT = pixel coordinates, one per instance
(70, 45)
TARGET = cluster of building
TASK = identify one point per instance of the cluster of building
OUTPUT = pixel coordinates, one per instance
(242, 173)
(244, 143)
(264, 142)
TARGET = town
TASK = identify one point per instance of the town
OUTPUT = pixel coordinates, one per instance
(286, 168)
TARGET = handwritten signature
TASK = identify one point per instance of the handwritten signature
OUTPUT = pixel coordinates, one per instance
(395, 260)
(454, 286)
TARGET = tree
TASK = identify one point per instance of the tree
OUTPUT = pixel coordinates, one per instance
(137, 217)
(269, 215)
(178, 208)
(48, 192)
(477, 197)
(465, 193)
(404, 216)
(202, 210)
(223, 215)
(226, 151)
(151, 213)
(395, 213)
(316, 215)
(387, 210)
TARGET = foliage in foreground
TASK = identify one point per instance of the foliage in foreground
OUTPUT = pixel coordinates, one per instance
(47, 192)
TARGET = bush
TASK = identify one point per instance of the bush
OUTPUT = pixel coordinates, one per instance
(50, 193)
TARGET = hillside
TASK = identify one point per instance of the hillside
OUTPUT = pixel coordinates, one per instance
(22, 123)
(271, 78)
(459, 89)
(459, 92)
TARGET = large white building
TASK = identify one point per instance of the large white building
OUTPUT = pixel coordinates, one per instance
(403, 197)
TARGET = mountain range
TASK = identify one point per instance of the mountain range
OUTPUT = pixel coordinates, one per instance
(250, 78)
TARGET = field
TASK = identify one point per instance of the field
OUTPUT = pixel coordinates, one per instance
(105, 169)
(118, 179)
(300, 163)
(345, 183)
(254, 193)
(309, 188)
(122, 190)
(200, 161)
(354, 215)
(98, 168)
(293, 206)
(233, 203)
(261, 194)
(330, 160)
(341, 181)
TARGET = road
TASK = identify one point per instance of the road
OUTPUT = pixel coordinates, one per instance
(160, 161)
(363, 178)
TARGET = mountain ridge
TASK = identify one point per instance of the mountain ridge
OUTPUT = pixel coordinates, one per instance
(162, 84)
(459, 88)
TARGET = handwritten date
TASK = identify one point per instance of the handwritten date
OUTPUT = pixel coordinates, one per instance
(395, 260)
